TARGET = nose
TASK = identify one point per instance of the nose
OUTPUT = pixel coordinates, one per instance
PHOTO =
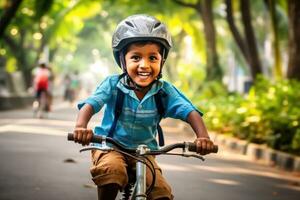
(144, 63)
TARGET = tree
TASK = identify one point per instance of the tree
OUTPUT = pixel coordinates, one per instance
(271, 5)
(294, 39)
(18, 44)
(204, 9)
(42, 24)
(247, 44)
(8, 15)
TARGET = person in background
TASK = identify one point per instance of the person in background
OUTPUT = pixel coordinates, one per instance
(67, 91)
(41, 85)
(75, 86)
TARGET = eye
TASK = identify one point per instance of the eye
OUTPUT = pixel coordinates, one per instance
(153, 58)
(135, 58)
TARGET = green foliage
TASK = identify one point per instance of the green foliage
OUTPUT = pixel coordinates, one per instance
(269, 114)
(211, 90)
(189, 78)
(11, 65)
(42, 7)
(296, 140)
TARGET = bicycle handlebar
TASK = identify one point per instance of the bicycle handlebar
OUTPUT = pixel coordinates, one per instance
(189, 145)
(98, 139)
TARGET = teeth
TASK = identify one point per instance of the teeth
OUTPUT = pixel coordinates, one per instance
(144, 73)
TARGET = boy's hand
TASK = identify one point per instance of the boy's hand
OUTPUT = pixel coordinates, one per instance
(83, 136)
(204, 145)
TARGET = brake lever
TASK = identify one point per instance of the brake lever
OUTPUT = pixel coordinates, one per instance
(194, 155)
(104, 147)
(187, 155)
(89, 148)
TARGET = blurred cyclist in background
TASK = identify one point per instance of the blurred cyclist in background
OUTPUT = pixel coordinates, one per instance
(41, 84)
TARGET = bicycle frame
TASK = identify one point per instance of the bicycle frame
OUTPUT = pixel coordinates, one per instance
(139, 190)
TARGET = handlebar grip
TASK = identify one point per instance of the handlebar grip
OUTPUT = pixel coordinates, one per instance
(70, 136)
(95, 138)
(192, 147)
(215, 149)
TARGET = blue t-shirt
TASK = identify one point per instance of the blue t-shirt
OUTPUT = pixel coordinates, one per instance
(138, 121)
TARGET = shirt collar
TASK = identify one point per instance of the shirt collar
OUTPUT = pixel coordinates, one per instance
(154, 89)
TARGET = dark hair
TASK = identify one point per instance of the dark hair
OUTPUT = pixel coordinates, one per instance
(43, 65)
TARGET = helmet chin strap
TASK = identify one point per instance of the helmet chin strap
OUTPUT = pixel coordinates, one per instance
(131, 85)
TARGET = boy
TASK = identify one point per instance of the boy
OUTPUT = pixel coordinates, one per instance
(140, 45)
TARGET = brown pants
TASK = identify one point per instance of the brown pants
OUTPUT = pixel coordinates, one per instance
(111, 167)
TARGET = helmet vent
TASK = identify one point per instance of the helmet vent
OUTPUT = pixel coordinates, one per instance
(157, 25)
(129, 24)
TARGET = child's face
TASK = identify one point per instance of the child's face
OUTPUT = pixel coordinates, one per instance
(143, 63)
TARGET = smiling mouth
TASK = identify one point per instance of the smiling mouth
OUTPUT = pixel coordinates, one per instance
(144, 74)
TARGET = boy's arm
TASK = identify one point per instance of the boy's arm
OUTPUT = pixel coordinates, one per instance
(203, 142)
(196, 122)
(81, 133)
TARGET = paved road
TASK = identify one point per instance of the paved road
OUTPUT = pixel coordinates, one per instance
(34, 157)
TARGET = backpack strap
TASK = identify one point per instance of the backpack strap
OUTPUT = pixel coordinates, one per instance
(117, 111)
(161, 111)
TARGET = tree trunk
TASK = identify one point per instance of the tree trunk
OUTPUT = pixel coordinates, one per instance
(213, 68)
(250, 39)
(277, 71)
(236, 34)
(247, 44)
(204, 9)
(20, 56)
(294, 39)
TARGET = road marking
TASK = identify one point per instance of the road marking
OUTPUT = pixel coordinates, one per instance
(44, 122)
(291, 187)
(39, 126)
(224, 181)
(32, 130)
(173, 167)
(238, 170)
(38, 122)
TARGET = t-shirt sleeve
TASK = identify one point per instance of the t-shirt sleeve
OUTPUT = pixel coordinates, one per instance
(177, 105)
(100, 96)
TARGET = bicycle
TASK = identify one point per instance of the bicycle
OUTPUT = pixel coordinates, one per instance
(136, 187)
(40, 106)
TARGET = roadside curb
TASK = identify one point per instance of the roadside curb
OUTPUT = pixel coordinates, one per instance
(15, 102)
(260, 153)
(255, 152)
